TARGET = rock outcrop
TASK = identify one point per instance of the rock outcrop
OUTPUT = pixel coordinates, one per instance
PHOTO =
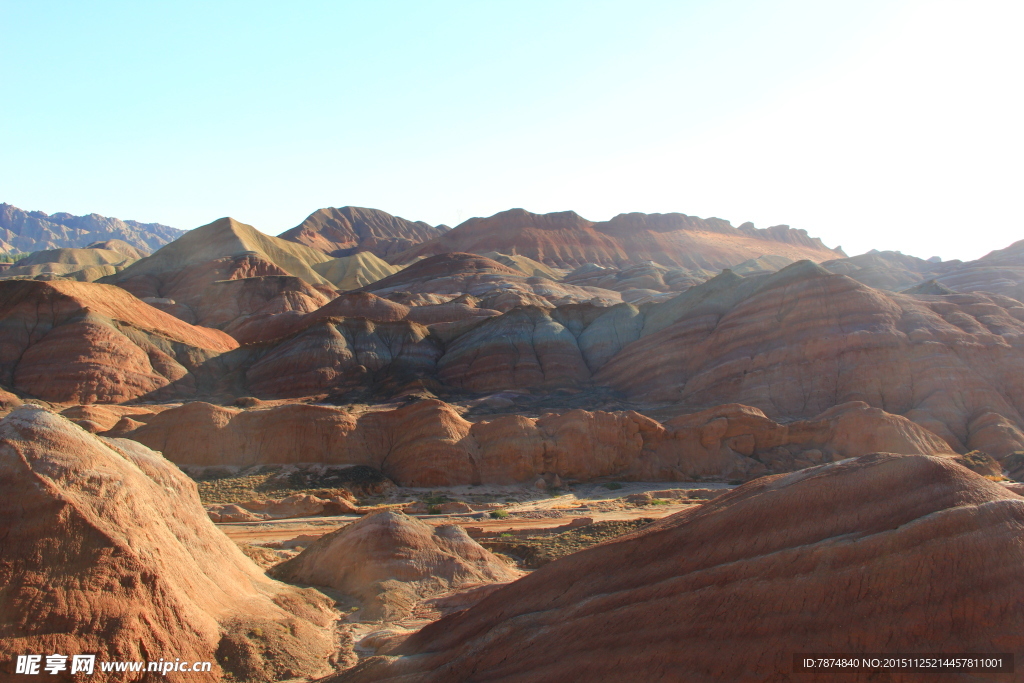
(107, 550)
(77, 342)
(427, 443)
(874, 555)
(391, 561)
(351, 229)
(567, 240)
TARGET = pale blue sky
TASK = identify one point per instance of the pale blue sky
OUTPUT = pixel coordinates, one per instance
(893, 125)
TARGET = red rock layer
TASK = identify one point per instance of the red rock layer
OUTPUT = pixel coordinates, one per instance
(82, 342)
(107, 550)
(427, 443)
(876, 555)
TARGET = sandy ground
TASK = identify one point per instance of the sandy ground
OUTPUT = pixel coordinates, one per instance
(594, 501)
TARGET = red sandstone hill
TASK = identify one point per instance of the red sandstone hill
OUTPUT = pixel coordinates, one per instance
(84, 342)
(801, 340)
(392, 561)
(793, 344)
(107, 550)
(882, 554)
(228, 275)
(567, 240)
(351, 229)
(427, 443)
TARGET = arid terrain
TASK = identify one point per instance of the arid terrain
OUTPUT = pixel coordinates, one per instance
(531, 447)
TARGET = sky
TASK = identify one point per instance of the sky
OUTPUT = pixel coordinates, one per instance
(870, 124)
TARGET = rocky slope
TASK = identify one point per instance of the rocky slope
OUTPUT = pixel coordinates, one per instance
(27, 231)
(567, 240)
(351, 229)
(879, 554)
(391, 561)
(107, 550)
(427, 443)
(79, 342)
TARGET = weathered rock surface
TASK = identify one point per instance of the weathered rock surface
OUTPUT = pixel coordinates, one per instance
(526, 347)
(566, 240)
(107, 550)
(498, 286)
(27, 231)
(391, 561)
(878, 554)
(802, 340)
(427, 443)
(78, 342)
(345, 353)
(351, 229)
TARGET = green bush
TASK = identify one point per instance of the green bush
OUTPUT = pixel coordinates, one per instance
(658, 501)
(434, 510)
(436, 499)
(613, 486)
(499, 514)
(506, 535)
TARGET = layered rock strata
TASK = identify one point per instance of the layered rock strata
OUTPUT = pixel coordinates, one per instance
(878, 554)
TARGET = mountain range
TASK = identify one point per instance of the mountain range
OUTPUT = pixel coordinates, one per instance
(530, 447)
(27, 231)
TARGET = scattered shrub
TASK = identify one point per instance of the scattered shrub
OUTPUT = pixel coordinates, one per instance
(434, 510)
(499, 514)
(613, 486)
